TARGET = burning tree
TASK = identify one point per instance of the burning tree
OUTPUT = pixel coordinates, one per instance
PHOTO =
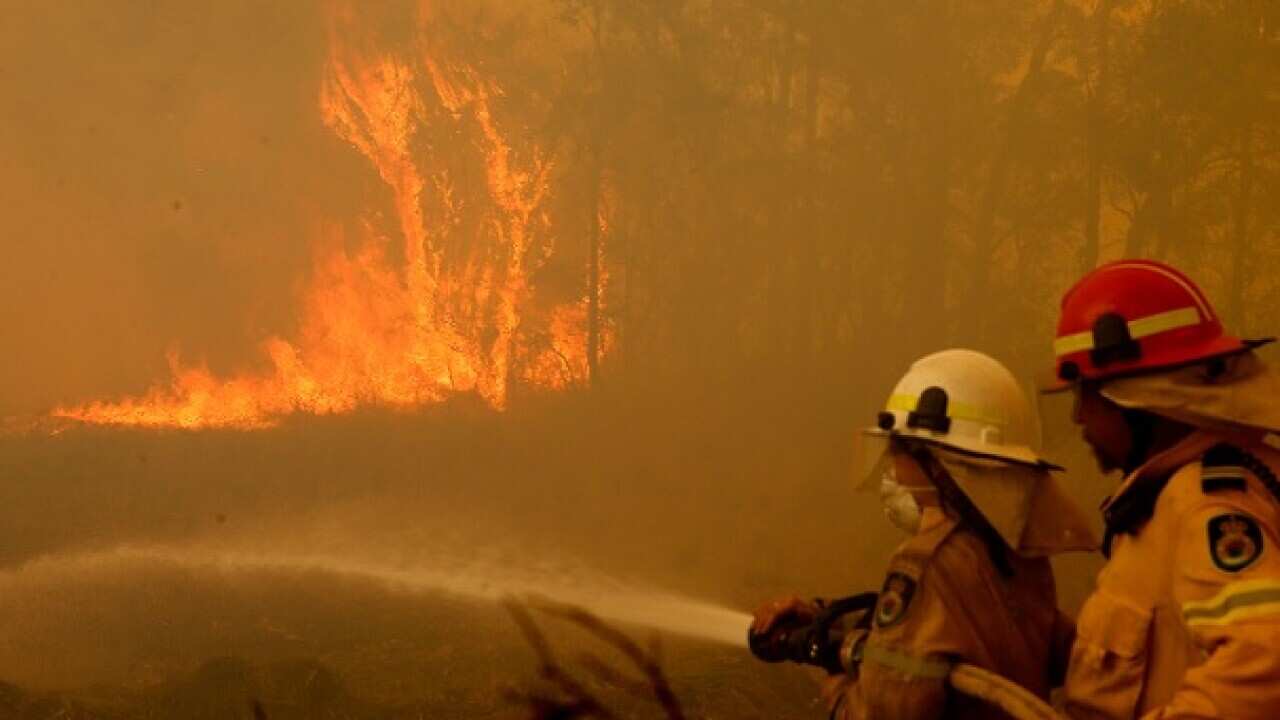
(453, 310)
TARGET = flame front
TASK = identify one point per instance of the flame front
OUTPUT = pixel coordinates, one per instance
(451, 314)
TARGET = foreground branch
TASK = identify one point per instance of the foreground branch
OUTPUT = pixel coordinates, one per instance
(568, 697)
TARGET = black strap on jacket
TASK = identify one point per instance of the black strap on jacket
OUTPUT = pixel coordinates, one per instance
(1227, 455)
(1132, 510)
(954, 498)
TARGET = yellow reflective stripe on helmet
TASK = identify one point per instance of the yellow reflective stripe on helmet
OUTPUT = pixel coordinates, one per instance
(906, 664)
(905, 403)
(1172, 320)
(1068, 344)
(1140, 328)
(1237, 601)
(955, 410)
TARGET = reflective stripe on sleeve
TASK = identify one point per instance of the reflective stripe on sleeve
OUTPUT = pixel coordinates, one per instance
(1218, 472)
(906, 664)
(1140, 328)
(1237, 601)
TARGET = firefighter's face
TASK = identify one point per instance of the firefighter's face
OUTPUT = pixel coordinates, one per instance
(1103, 425)
(907, 472)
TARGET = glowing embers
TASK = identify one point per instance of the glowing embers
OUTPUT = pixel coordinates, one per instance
(452, 313)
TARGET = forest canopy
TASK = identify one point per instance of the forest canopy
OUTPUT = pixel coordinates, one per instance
(793, 184)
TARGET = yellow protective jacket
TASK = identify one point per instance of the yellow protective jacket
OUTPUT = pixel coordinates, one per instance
(1185, 620)
(943, 602)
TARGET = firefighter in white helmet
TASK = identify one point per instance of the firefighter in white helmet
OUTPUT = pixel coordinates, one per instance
(953, 451)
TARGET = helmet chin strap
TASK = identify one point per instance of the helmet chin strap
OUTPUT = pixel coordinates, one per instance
(953, 499)
(1142, 434)
(1150, 434)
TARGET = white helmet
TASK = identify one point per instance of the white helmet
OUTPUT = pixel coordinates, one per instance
(972, 411)
(965, 401)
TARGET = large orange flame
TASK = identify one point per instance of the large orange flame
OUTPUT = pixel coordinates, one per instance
(372, 332)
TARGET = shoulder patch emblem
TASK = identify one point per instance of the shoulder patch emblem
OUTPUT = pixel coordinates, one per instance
(1235, 541)
(894, 600)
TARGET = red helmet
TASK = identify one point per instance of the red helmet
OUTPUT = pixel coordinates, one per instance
(1134, 316)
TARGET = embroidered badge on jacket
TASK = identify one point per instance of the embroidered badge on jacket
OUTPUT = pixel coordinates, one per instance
(894, 599)
(1235, 541)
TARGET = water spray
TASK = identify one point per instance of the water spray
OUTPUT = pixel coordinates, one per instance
(810, 643)
(606, 599)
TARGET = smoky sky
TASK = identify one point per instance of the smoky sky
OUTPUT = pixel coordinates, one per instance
(801, 198)
(165, 172)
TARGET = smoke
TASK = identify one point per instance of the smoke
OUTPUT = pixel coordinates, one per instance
(165, 170)
(785, 227)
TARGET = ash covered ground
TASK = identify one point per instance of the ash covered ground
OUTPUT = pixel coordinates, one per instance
(119, 600)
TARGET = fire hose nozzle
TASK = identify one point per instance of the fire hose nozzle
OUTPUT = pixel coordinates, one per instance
(817, 643)
(810, 643)
(792, 642)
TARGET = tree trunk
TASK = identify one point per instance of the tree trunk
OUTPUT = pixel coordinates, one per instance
(1093, 136)
(596, 159)
(593, 272)
(1241, 242)
(812, 222)
(926, 275)
(998, 177)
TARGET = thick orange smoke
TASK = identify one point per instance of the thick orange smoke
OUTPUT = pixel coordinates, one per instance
(433, 320)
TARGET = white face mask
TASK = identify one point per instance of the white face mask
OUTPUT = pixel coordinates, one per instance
(900, 506)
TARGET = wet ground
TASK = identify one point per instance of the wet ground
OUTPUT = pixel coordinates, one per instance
(113, 603)
(166, 642)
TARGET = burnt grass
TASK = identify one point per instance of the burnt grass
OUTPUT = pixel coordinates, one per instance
(686, 491)
(412, 658)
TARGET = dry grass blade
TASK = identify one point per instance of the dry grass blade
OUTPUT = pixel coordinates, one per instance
(610, 675)
(545, 707)
(570, 699)
(658, 687)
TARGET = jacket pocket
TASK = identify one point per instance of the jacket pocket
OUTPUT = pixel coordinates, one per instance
(1108, 665)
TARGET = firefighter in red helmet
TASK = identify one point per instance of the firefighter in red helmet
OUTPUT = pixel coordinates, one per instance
(1185, 619)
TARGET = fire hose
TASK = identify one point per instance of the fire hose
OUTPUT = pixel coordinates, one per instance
(1015, 700)
(819, 642)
